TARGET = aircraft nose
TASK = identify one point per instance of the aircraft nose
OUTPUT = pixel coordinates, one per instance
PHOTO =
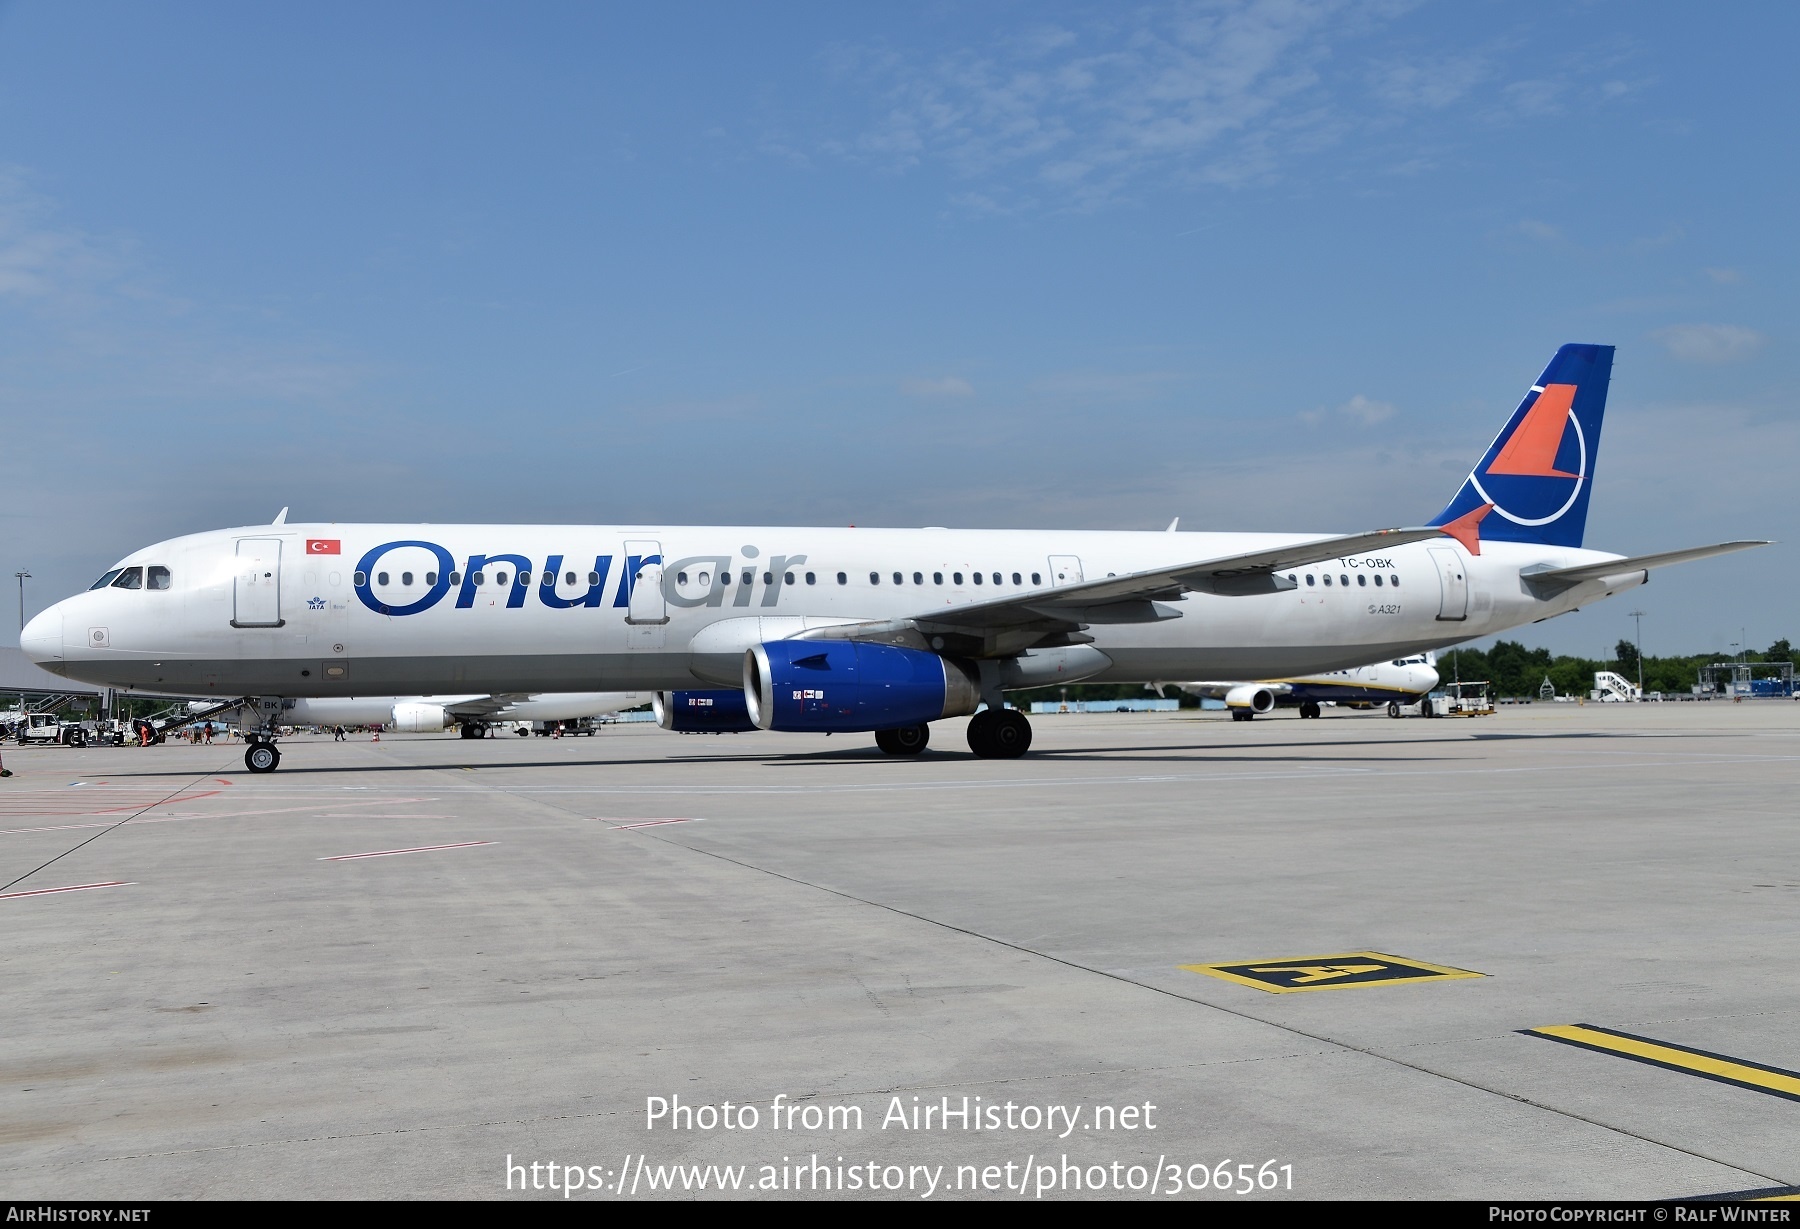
(42, 639)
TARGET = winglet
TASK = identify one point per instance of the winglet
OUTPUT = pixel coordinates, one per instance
(1467, 528)
(280, 518)
(1172, 524)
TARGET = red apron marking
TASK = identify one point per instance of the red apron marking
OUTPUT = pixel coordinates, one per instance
(388, 853)
(75, 887)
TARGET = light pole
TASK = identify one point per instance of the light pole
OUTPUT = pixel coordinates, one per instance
(1637, 616)
(23, 577)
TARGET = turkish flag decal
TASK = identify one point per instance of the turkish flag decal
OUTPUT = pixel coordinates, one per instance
(324, 546)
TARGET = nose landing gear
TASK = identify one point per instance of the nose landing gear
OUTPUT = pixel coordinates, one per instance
(262, 756)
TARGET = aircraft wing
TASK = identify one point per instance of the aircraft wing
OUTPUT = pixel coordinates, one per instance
(1043, 618)
(1218, 691)
(1639, 563)
(485, 706)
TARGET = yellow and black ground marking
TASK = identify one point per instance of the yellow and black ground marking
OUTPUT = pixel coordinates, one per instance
(1775, 1081)
(1297, 973)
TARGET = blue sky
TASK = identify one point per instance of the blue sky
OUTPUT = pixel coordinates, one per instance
(1277, 266)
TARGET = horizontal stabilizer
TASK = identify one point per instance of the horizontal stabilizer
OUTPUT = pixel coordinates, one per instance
(1639, 563)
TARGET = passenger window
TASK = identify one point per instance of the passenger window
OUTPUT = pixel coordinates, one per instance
(1378, 580)
(874, 578)
(431, 578)
(593, 578)
(787, 578)
(479, 578)
(768, 579)
(812, 578)
(957, 577)
(569, 578)
(899, 578)
(1016, 579)
(996, 578)
(681, 578)
(106, 579)
(1327, 579)
(159, 576)
(937, 578)
(725, 578)
(129, 578)
(1361, 579)
(359, 579)
(918, 578)
(705, 578)
(1309, 578)
(406, 578)
(749, 577)
(1344, 580)
(1394, 581)
(381, 578)
(843, 579)
(978, 578)
(1291, 579)
(1036, 579)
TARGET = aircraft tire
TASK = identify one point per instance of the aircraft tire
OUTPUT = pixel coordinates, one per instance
(262, 757)
(1310, 709)
(1004, 735)
(907, 740)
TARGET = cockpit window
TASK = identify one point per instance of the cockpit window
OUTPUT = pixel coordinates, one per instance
(129, 578)
(159, 576)
(106, 579)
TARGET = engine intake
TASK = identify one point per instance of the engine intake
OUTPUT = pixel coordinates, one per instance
(702, 712)
(1256, 699)
(829, 686)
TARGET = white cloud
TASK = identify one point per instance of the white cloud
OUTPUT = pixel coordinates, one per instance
(1531, 228)
(1365, 411)
(1725, 277)
(946, 386)
(1710, 343)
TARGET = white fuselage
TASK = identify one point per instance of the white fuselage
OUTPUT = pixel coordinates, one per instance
(259, 611)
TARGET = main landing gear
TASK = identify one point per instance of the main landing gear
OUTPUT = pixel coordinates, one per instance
(1310, 708)
(907, 740)
(999, 734)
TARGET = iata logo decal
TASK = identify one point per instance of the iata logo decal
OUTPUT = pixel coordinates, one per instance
(1537, 472)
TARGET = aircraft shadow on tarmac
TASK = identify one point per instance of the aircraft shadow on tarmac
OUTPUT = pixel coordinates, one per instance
(1195, 755)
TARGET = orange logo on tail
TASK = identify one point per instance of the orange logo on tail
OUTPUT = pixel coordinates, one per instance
(1531, 452)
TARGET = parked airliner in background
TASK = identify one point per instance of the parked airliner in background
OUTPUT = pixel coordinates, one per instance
(470, 714)
(1405, 680)
(838, 630)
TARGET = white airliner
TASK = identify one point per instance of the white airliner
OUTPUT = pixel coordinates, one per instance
(1405, 680)
(837, 630)
(471, 714)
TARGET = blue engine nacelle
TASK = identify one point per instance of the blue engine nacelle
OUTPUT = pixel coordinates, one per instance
(702, 712)
(831, 686)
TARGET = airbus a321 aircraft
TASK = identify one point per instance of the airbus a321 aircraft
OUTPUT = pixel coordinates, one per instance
(838, 630)
(1405, 680)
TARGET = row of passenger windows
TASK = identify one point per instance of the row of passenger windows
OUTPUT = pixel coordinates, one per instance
(153, 577)
(1362, 579)
(748, 577)
(479, 578)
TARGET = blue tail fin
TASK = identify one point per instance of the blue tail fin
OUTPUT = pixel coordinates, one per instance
(1533, 482)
